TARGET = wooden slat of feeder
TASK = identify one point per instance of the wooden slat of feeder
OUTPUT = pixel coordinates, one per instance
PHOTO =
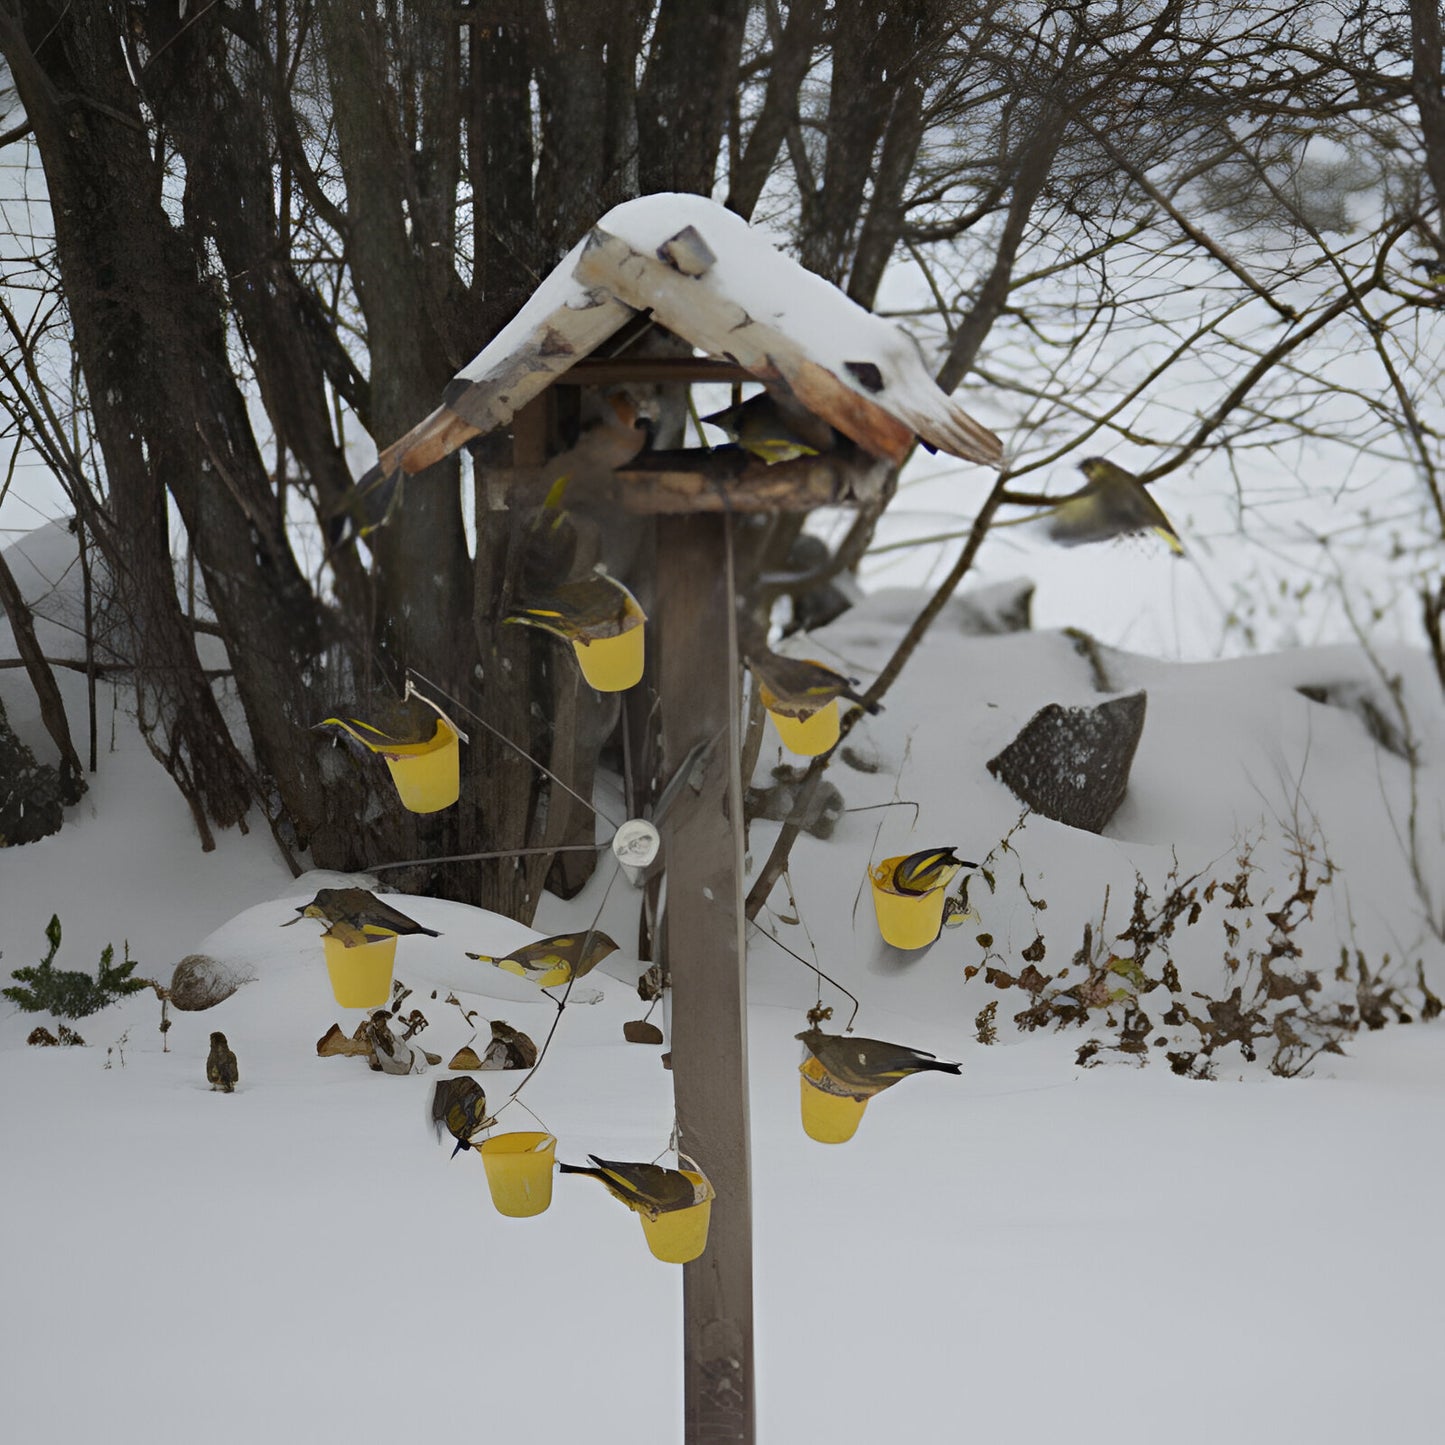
(716, 324)
(610, 370)
(673, 483)
(438, 436)
(730, 481)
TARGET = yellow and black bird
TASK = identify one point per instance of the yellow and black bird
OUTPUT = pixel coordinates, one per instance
(459, 1108)
(555, 960)
(774, 428)
(929, 868)
(798, 688)
(221, 1067)
(865, 1067)
(648, 1188)
(355, 915)
(396, 721)
(587, 610)
(1114, 503)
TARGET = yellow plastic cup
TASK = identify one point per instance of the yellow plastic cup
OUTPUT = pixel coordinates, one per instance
(519, 1171)
(830, 1115)
(806, 736)
(906, 920)
(680, 1235)
(427, 775)
(613, 664)
(361, 976)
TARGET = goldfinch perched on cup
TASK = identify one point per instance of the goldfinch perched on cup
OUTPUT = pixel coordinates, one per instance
(459, 1106)
(864, 1067)
(929, 868)
(401, 722)
(356, 915)
(648, 1188)
(798, 688)
(587, 610)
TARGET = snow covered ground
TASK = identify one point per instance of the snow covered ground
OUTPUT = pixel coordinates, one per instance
(1034, 1251)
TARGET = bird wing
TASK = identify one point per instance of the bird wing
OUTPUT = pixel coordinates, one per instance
(545, 969)
(897, 1061)
(925, 870)
(593, 607)
(648, 1187)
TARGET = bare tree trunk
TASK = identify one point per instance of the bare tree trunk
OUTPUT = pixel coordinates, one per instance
(682, 103)
(793, 42)
(1427, 56)
(52, 705)
(128, 281)
(421, 596)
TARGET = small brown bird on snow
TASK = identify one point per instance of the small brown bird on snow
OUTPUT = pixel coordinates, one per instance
(221, 1067)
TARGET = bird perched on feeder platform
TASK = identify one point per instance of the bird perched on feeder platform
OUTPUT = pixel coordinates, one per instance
(864, 1067)
(459, 1108)
(774, 428)
(586, 610)
(356, 915)
(798, 688)
(929, 868)
(1114, 503)
(555, 960)
(618, 433)
(648, 1188)
(221, 1067)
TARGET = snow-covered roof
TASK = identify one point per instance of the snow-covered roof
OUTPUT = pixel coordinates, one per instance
(715, 282)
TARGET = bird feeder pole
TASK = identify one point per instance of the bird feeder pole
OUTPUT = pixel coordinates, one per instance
(704, 948)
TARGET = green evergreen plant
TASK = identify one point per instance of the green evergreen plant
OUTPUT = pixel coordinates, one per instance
(69, 994)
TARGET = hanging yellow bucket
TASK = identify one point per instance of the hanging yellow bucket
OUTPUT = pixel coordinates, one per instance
(613, 664)
(906, 920)
(519, 1171)
(679, 1236)
(806, 736)
(427, 775)
(830, 1115)
(361, 976)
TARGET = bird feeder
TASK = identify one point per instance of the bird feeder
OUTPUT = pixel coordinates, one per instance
(808, 735)
(613, 664)
(427, 775)
(906, 920)
(679, 1236)
(831, 1114)
(360, 974)
(519, 1171)
(681, 291)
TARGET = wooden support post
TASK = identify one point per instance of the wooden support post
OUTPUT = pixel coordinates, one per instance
(704, 949)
